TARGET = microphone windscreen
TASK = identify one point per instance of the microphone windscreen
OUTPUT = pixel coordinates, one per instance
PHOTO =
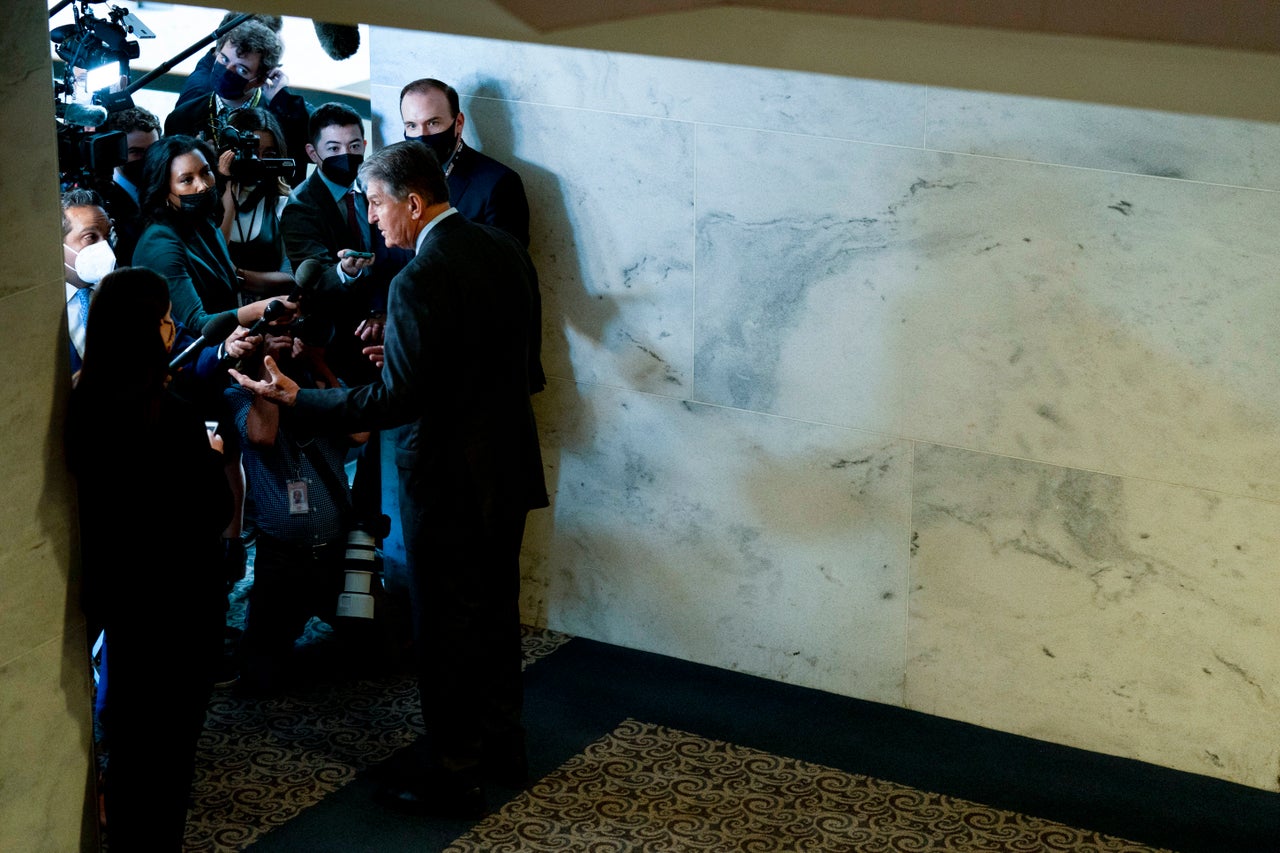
(219, 326)
(308, 272)
(84, 115)
(340, 41)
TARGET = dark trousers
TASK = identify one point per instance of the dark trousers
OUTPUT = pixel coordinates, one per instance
(161, 680)
(290, 585)
(464, 565)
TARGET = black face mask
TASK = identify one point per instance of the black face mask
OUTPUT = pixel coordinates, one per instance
(228, 84)
(341, 168)
(132, 172)
(441, 143)
(199, 205)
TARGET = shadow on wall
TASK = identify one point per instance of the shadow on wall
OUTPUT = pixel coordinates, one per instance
(490, 127)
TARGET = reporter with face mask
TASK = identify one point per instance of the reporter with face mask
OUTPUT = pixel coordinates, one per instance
(146, 467)
(183, 243)
(87, 256)
(252, 200)
(246, 72)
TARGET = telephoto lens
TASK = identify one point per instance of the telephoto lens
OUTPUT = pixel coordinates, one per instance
(361, 573)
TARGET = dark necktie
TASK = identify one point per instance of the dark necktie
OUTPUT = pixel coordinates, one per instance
(353, 222)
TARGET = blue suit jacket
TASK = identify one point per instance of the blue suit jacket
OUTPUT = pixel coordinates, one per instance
(485, 191)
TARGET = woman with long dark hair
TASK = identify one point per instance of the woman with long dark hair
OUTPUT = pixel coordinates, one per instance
(153, 502)
(184, 244)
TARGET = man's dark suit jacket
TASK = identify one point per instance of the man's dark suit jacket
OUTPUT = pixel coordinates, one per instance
(457, 346)
(456, 351)
(315, 229)
(127, 220)
(192, 118)
(485, 191)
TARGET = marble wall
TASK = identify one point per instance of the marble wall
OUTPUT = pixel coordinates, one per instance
(954, 401)
(45, 764)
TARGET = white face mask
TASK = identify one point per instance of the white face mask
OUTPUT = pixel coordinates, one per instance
(94, 261)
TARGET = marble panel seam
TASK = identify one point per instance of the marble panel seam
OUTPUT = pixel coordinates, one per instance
(1033, 461)
(916, 441)
(1076, 167)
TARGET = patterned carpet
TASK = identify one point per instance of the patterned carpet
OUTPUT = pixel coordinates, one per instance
(261, 762)
(641, 787)
(645, 787)
(297, 771)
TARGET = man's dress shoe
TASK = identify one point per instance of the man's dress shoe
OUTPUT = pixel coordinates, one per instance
(448, 798)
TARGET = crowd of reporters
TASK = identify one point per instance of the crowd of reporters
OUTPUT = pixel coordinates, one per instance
(198, 255)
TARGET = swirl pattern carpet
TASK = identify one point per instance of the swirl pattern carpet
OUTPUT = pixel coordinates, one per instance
(647, 788)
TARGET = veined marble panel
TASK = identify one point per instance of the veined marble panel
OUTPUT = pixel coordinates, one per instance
(1118, 615)
(1145, 142)
(1097, 320)
(748, 542)
(611, 222)
(734, 95)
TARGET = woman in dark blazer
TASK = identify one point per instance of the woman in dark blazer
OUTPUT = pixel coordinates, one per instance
(182, 241)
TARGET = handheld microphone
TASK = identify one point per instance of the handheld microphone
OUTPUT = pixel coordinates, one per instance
(215, 329)
(272, 312)
(274, 309)
(340, 41)
(309, 271)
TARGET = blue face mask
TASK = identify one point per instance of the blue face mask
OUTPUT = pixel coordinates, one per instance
(229, 85)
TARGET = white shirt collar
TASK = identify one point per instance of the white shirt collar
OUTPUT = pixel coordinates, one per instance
(422, 235)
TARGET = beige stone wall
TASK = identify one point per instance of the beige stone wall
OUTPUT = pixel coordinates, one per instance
(44, 677)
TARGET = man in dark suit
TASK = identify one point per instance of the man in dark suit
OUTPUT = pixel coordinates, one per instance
(325, 218)
(246, 72)
(481, 188)
(123, 195)
(456, 356)
(85, 224)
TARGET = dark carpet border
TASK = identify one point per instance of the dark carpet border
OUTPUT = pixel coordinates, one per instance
(585, 689)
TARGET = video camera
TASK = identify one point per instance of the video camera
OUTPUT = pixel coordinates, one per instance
(248, 167)
(96, 52)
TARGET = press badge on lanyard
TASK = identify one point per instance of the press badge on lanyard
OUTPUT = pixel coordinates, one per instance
(298, 503)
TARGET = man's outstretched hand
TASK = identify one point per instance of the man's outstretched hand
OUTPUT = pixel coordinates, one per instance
(277, 388)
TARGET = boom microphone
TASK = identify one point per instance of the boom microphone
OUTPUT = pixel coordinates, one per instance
(340, 41)
(82, 115)
(217, 328)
